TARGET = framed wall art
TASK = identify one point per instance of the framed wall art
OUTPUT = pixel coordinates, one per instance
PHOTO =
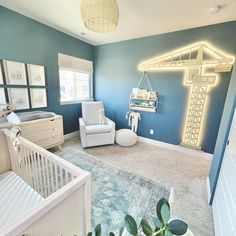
(36, 75)
(38, 97)
(15, 73)
(1, 77)
(2, 97)
(19, 98)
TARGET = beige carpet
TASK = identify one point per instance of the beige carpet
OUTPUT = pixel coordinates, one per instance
(185, 172)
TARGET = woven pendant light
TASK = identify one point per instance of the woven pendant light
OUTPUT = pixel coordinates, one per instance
(100, 15)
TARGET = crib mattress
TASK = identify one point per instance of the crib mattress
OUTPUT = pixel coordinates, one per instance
(16, 198)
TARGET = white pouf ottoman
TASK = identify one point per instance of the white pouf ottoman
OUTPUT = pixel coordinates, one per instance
(126, 137)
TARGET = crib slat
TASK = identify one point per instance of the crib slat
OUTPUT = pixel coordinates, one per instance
(25, 166)
(47, 174)
(39, 173)
(29, 160)
(61, 177)
(56, 175)
(52, 177)
(31, 164)
(44, 177)
(35, 170)
(66, 176)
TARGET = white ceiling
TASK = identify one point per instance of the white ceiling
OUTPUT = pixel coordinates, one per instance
(138, 18)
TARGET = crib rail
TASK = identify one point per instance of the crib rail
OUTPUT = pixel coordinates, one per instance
(66, 209)
(42, 170)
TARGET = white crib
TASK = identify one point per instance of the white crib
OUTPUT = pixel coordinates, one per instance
(40, 193)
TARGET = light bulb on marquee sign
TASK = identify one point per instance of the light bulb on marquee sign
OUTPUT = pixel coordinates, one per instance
(196, 59)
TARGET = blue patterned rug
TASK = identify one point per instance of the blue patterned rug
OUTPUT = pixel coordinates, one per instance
(116, 193)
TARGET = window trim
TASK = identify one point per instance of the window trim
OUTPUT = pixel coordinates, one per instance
(76, 102)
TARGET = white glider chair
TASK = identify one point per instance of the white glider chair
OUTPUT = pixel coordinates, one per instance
(95, 128)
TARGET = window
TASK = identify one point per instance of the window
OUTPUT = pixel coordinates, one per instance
(74, 86)
(75, 79)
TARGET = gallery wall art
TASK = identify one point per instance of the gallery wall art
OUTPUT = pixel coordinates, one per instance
(22, 85)
(19, 98)
(38, 97)
(1, 77)
(15, 73)
(36, 75)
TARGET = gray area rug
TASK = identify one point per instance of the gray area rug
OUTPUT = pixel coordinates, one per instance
(115, 192)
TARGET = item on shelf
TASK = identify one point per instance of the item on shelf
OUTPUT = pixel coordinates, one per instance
(143, 99)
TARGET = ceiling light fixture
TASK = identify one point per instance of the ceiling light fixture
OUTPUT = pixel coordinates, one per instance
(100, 15)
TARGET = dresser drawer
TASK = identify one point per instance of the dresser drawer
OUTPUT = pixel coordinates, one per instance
(43, 134)
(32, 128)
(50, 142)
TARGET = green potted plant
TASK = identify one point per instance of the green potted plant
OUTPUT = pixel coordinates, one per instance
(163, 225)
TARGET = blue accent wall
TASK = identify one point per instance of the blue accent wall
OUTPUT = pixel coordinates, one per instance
(116, 74)
(230, 105)
(25, 40)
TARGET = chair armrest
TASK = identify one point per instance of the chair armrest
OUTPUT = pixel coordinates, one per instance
(111, 123)
(82, 130)
(81, 122)
(113, 129)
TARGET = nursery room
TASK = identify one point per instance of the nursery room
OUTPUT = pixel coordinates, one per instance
(117, 118)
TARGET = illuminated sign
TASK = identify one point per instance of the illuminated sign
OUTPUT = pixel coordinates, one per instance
(201, 61)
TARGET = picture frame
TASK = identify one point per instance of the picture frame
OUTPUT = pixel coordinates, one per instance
(36, 74)
(1, 76)
(2, 99)
(38, 97)
(19, 98)
(15, 73)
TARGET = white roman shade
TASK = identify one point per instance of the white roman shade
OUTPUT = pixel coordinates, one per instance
(75, 63)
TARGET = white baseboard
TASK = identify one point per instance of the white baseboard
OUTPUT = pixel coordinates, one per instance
(208, 189)
(179, 148)
(71, 135)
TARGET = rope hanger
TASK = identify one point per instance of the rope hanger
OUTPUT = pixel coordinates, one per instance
(141, 81)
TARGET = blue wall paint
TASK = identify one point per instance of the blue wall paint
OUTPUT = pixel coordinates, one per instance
(23, 39)
(28, 41)
(225, 124)
(116, 74)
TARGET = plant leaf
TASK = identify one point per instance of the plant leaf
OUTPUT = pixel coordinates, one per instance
(131, 225)
(165, 213)
(157, 229)
(177, 227)
(111, 234)
(98, 230)
(121, 231)
(147, 229)
(168, 233)
(157, 222)
(89, 234)
(159, 206)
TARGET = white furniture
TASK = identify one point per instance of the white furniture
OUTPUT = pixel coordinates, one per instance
(45, 195)
(126, 137)
(45, 132)
(92, 132)
(224, 202)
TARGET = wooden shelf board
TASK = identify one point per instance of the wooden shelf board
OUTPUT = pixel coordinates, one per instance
(143, 99)
(142, 108)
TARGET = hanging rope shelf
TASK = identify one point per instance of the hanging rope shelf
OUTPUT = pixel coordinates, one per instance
(142, 99)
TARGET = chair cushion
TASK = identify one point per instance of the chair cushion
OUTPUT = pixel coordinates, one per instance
(97, 129)
(126, 137)
(90, 112)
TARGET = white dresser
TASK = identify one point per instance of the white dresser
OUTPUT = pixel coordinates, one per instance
(46, 132)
